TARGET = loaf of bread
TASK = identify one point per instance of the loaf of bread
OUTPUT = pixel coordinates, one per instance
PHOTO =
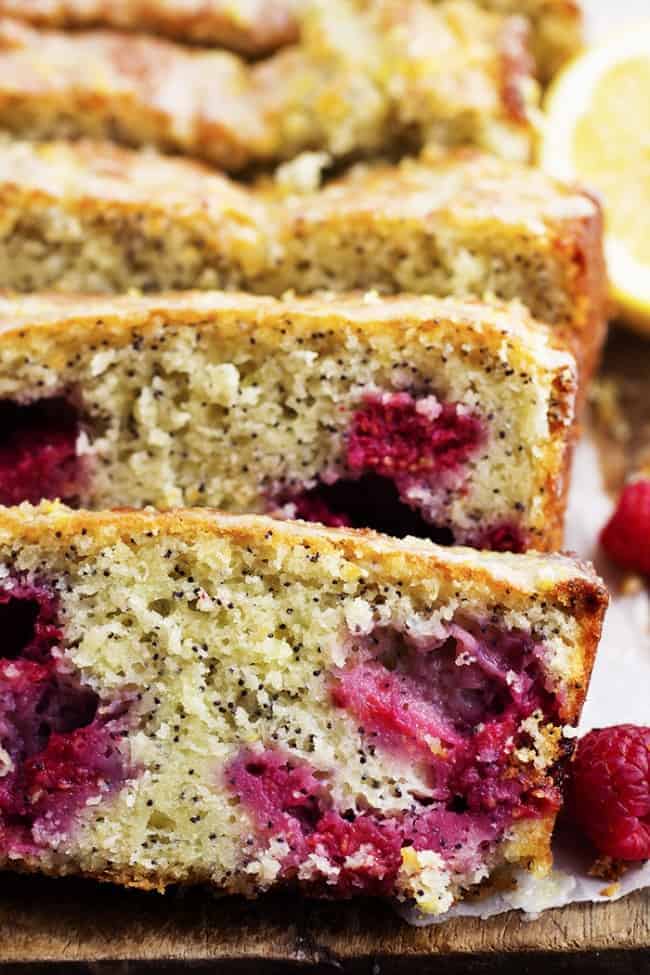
(91, 217)
(399, 73)
(191, 697)
(414, 416)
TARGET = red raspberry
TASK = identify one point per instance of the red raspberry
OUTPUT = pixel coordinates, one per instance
(393, 435)
(611, 790)
(310, 507)
(626, 536)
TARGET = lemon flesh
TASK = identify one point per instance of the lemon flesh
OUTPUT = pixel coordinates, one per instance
(598, 131)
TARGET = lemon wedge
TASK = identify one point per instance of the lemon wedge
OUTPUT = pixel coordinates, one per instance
(597, 131)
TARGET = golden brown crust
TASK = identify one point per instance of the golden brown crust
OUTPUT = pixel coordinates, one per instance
(589, 605)
(135, 89)
(581, 242)
(563, 581)
(262, 26)
(466, 184)
(558, 483)
(516, 66)
(255, 28)
(492, 321)
(89, 177)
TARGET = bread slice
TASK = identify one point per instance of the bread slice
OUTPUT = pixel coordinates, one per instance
(252, 27)
(398, 73)
(192, 697)
(94, 217)
(410, 415)
(258, 27)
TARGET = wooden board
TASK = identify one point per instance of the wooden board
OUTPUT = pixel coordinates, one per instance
(78, 921)
(68, 922)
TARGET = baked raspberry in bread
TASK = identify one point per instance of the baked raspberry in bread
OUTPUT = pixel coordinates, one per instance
(251, 27)
(399, 72)
(195, 697)
(97, 218)
(409, 415)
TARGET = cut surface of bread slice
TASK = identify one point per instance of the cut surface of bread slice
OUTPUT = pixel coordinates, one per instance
(251, 27)
(193, 697)
(93, 217)
(413, 416)
(398, 73)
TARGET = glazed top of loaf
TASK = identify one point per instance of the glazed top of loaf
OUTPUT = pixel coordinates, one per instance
(557, 578)
(488, 322)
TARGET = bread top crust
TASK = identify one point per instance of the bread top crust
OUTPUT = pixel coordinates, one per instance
(100, 180)
(466, 187)
(255, 27)
(486, 323)
(562, 580)
(85, 172)
(154, 90)
(259, 26)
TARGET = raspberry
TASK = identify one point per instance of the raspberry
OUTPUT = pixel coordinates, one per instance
(38, 453)
(396, 434)
(310, 507)
(626, 536)
(611, 790)
(503, 537)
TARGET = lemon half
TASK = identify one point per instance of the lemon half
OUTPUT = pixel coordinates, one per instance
(597, 131)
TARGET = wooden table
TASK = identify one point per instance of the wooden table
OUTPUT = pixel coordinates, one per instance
(76, 921)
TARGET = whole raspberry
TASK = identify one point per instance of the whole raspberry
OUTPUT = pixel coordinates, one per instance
(611, 790)
(626, 536)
